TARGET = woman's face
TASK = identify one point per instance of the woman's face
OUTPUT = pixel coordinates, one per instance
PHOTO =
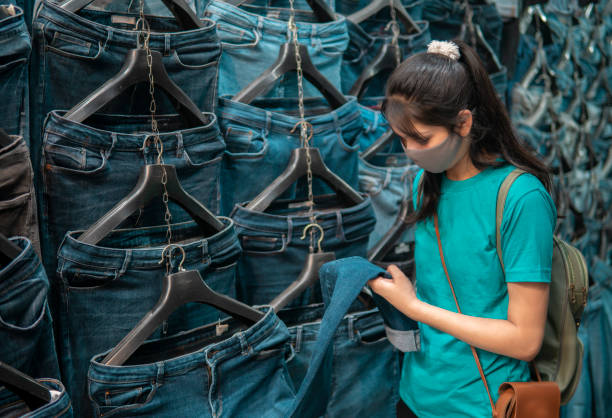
(434, 135)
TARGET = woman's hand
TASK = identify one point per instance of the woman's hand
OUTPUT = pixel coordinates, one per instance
(398, 290)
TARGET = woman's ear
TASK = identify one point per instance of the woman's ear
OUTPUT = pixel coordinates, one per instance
(464, 126)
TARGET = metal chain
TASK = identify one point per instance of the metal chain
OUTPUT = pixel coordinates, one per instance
(395, 30)
(159, 146)
(305, 136)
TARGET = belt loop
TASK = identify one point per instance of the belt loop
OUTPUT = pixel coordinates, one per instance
(289, 229)
(268, 124)
(109, 36)
(179, 145)
(160, 372)
(298, 338)
(339, 227)
(166, 44)
(245, 348)
(315, 40)
(205, 253)
(145, 148)
(112, 146)
(351, 328)
(126, 263)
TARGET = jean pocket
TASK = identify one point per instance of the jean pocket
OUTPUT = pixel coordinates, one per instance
(244, 143)
(23, 306)
(204, 153)
(264, 244)
(236, 37)
(71, 46)
(112, 400)
(193, 57)
(83, 277)
(12, 73)
(70, 159)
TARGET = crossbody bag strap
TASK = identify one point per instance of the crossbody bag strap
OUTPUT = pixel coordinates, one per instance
(482, 375)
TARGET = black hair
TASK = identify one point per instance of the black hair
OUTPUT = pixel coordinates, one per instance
(432, 88)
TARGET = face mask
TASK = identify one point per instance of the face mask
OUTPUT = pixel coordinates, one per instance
(441, 157)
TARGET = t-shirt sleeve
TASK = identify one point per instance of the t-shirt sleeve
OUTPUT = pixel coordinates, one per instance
(415, 188)
(527, 231)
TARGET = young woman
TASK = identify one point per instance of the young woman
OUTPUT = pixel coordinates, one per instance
(444, 108)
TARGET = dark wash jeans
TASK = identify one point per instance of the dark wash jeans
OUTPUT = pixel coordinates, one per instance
(100, 162)
(59, 407)
(15, 47)
(26, 328)
(259, 143)
(17, 198)
(106, 289)
(251, 41)
(274, 254)
(83, 51)
(203, 373)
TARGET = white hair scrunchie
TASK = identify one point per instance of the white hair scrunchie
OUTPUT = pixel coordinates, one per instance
(446, 48)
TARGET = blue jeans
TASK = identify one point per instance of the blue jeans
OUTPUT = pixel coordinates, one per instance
(364, 46)
(90, 47)
(274, 254)
(106, 289)
(18, 215)
(259, 140)
(251, 41)
(11, 405)
(101, 162)
(26, 327)
(15, 50)
(378, 22)
(200, 373)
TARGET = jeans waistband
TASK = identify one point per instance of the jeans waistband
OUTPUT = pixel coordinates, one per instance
(256, 116)
(313, 314)
(21, 267)
(373, 119)
(293, 225)
(206, 351)
(11, 24)
(127, 132)
(108, 35)
(364, 40)
(141, 248)
(262, 24)
(387, 173)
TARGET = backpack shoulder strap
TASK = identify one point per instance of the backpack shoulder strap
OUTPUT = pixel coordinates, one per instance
(502, 193)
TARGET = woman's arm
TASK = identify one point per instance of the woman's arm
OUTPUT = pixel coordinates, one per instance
(520, 336)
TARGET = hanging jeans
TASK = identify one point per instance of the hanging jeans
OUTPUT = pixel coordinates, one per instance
(251, 43)
(274, 254)
(378, 22)
(106, 289)
(59, 406)
(363, 48)
(15, 50)
(26, 327)
(259, 143)
(18, 201)
(85, 50)
(100, 162)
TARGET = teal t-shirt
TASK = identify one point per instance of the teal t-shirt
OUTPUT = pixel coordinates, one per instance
(442, 379)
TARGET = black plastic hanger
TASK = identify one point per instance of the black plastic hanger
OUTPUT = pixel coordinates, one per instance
(135, 70)
(285, 62)
(8, 251)
(321, 10)
(296, 169)
(183, 14)
(377, 5)
(149, 185)
(385, 59)
(5, 139)
(377, 145)
(185, 286)
(309, 274)
(33, 393)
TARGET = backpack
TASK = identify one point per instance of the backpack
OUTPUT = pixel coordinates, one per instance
(560, 358)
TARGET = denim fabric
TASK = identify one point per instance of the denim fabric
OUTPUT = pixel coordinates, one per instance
(90, 48)
(387, 187)
(379, 21)
(363, 48)
(100, 162)
(446, 17)
(200, 373)
(15, 50)
(106, 289)
(251, 41)
(592, 397)
(18, 202)
(259, 140)
(59, 407)
(26, 328)
(274, 254)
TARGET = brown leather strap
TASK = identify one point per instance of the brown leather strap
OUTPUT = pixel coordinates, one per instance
(482, 375)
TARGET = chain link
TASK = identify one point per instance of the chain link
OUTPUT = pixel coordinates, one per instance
(304, 125)
(159, 146)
